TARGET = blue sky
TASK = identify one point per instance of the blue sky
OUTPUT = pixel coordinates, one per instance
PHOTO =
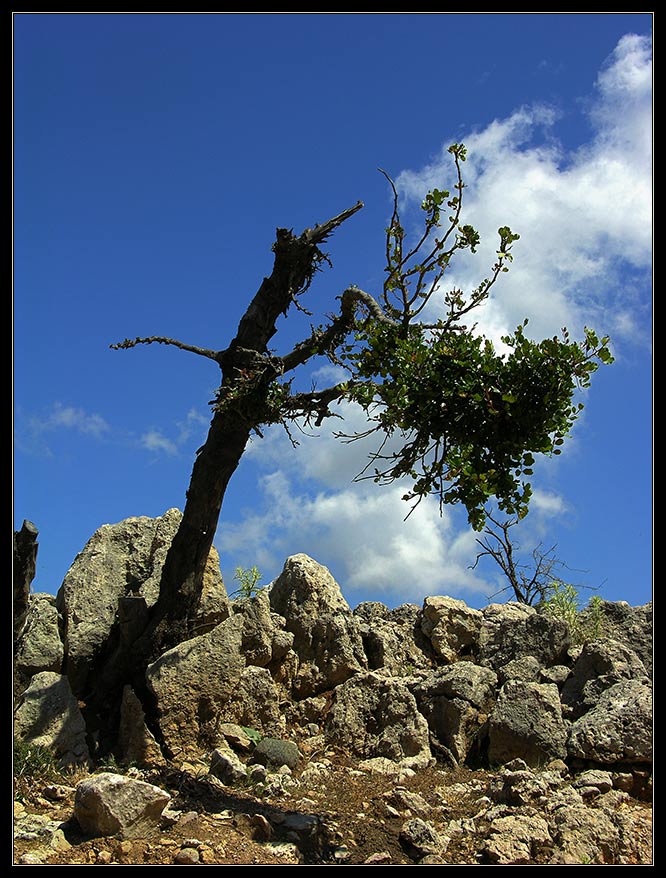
(154, 156)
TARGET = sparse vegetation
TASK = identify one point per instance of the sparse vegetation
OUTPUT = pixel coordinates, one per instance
(585, 623)
(248, 583)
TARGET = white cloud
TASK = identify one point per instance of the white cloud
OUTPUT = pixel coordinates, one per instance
(71, 418)
(31, 431)
(194, 424)
(155, 441)
(580, 217)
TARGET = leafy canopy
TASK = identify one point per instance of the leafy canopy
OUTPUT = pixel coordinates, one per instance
(469, 418)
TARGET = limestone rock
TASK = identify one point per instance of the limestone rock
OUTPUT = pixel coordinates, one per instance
(392, 639)
(39, 646)
(600, 665)
(543, 638)
(227, 766)
(193, 681)
(527, 722)
(375, 716)
(49, 716)
(456, 701)
(327, 639)
(618, 728)
(112, 804)
(631, 626)
(452, 627)
(123, 560)
(515, 839)
(255, 703)
(420, 838)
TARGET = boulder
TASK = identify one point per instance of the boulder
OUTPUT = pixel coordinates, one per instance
(193, 681)
(136, 743)
(419, 838)
(49, 716)
(631, 626)
(529, 634)
(618, 729)
(452, 627)
(527, 722)
(515, 839)
(39, 647)
(275, 752)
(327, 639)
(393, 640)
(123, 560)
(375, 716)
(456, 701)
(112, 804)
(600, 665)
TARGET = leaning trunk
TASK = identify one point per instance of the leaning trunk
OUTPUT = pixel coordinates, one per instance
(180, 588)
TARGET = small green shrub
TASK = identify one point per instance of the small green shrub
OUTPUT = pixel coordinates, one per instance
(248, 583)
(584, 623)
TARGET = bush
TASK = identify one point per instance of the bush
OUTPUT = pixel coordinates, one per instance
(563, 603)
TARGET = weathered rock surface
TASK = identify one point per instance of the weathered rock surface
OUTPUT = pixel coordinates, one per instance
(112, 804)
(49, 717)
(618, 728)
(393, 640)
(373, 716)
(452, 627)
(193, 681)
(600, 665)
(39, 647)
(122, 560)
(327, 639)
(527, 722)
(456, 701)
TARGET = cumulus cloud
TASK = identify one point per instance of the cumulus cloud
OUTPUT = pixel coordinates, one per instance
(584, 218)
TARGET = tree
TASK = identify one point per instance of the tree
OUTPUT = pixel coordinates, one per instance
(531, 582)
(467, 420)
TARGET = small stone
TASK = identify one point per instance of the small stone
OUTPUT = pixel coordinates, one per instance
(187, 857)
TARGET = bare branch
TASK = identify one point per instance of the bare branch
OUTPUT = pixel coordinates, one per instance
(323, 340)
(160, 339)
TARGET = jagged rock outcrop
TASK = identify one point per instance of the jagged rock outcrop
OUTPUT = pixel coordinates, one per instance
(294, 661)
(193, 681)
(327, 639)
(618, 729)
(123, 561)
(456, 701)
(527, 722)
(374, 716)
(39, 646)
(533, 634)
(393, 640)
(452, 627)
(600, 665)
(49, 716)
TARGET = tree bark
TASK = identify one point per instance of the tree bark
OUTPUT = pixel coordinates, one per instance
(297, 258)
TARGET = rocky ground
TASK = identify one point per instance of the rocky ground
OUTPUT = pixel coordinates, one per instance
(333, 810)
